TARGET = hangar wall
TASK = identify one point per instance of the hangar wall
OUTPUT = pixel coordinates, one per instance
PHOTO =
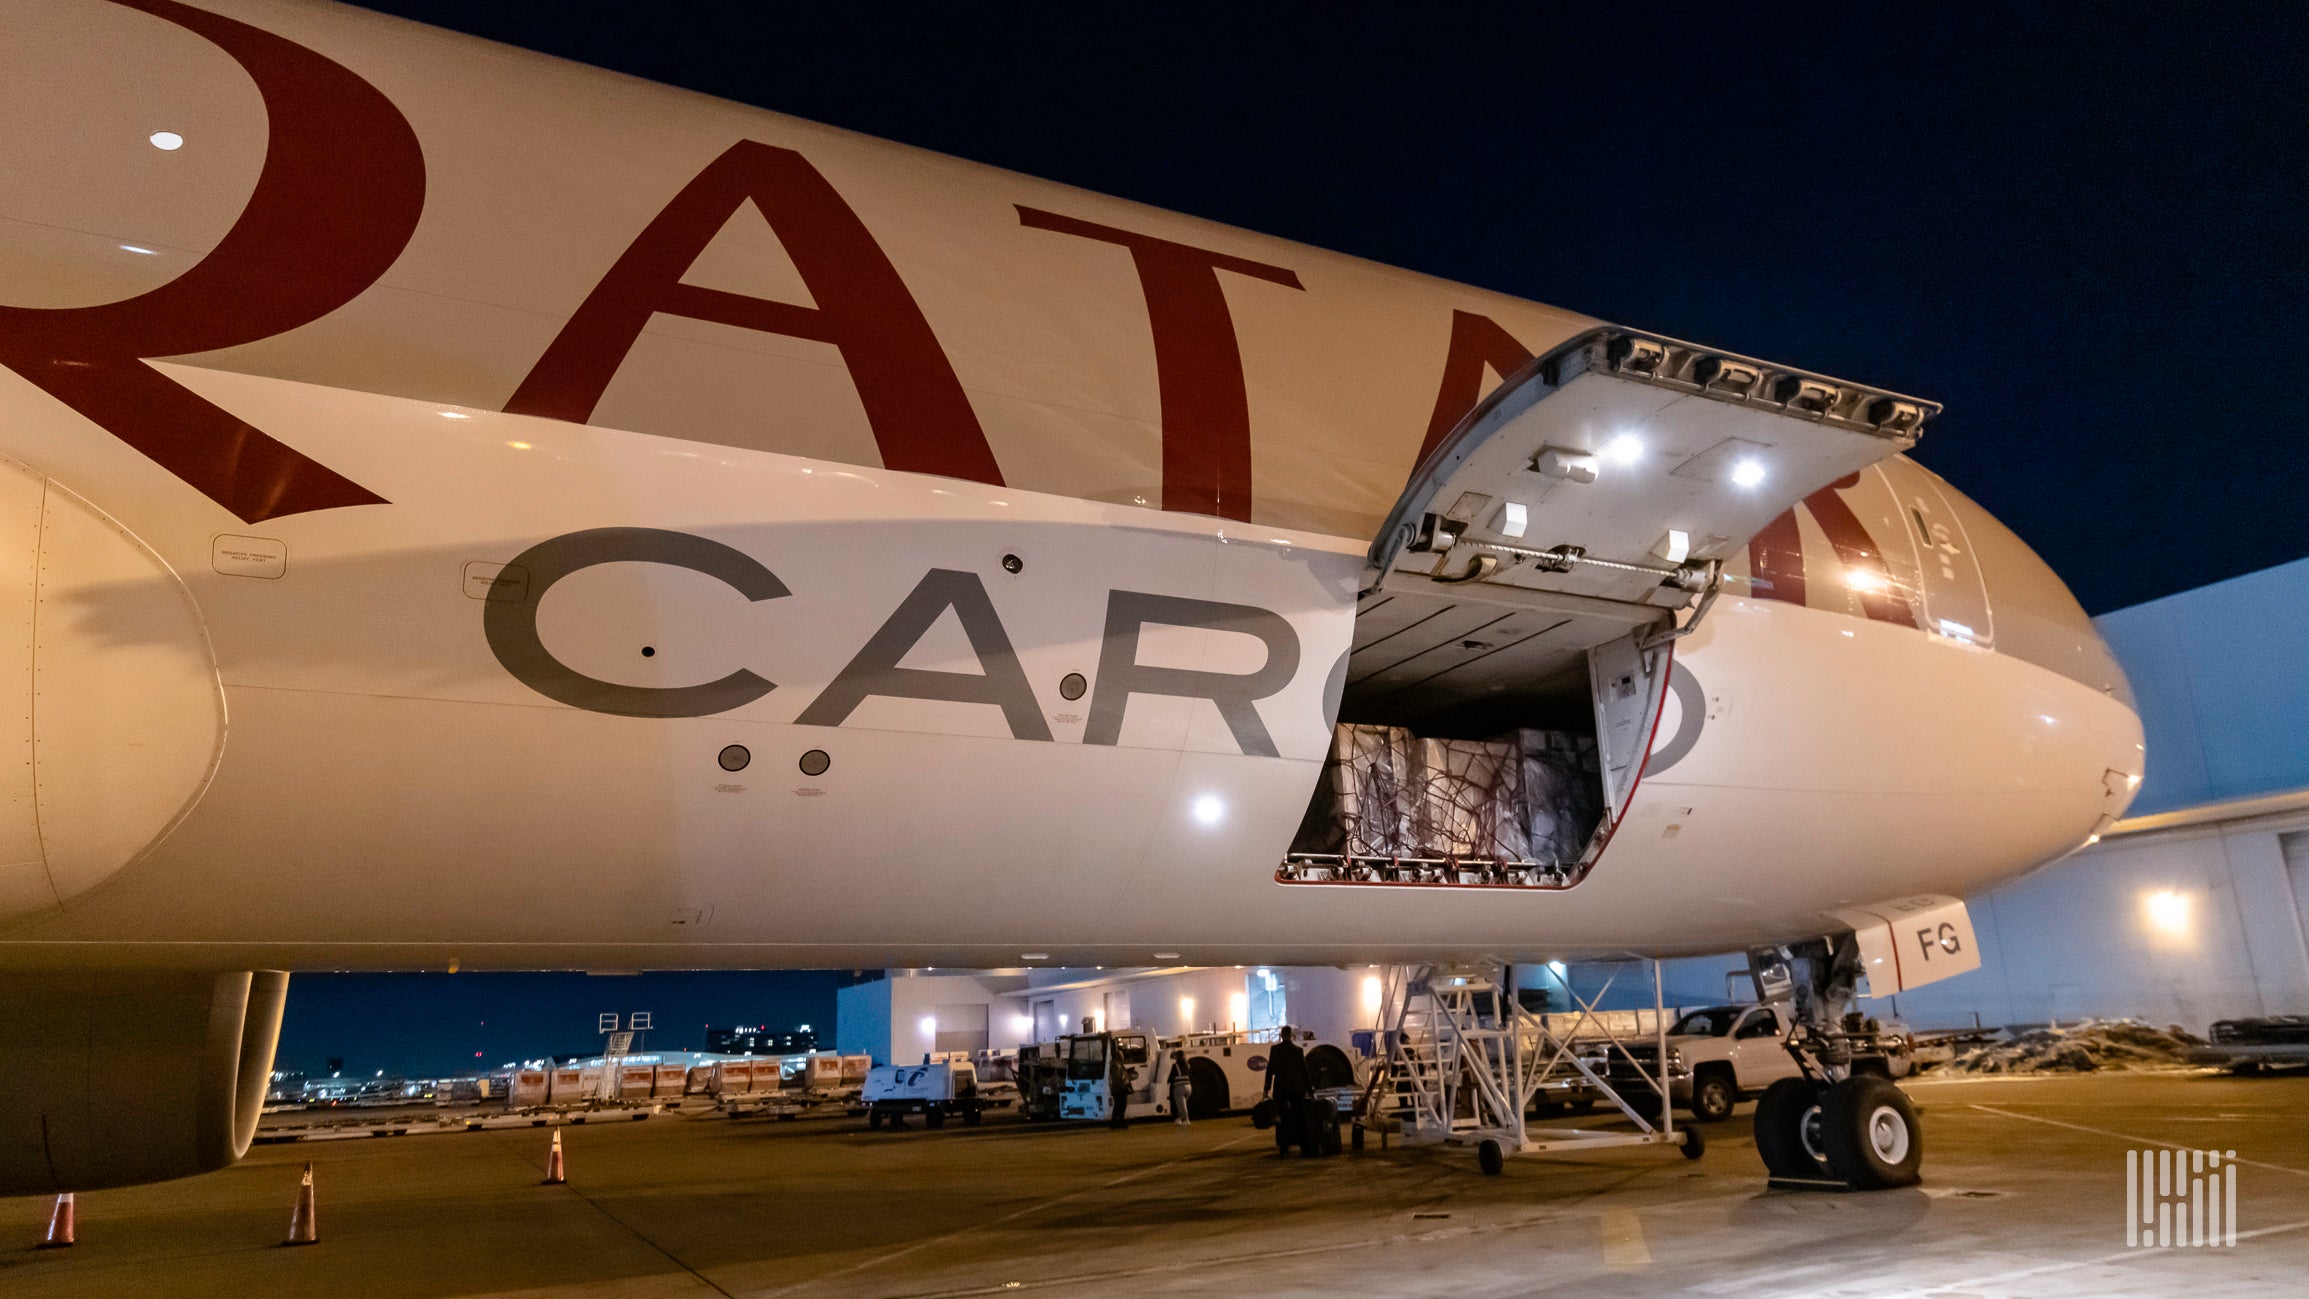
(2196, 906)
(906, 1016)
(898, 1018)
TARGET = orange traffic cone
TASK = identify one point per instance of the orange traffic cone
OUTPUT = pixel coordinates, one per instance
(303, 1230)
(555, 1175)
(59, 1224)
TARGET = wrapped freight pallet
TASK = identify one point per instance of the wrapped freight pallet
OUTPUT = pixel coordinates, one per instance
(1562, 788)
(1367, 805)
(1470, 804)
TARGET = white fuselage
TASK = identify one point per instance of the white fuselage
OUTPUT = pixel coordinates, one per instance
(269, 721)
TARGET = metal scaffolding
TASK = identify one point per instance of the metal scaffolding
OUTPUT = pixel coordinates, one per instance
(1465, 1061)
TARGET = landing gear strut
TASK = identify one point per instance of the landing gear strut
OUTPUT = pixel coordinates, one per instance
(1843, 1123)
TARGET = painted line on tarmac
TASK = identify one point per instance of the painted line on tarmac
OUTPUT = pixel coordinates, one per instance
(977, 1227)
(1623, 1241)
(2138, 1141)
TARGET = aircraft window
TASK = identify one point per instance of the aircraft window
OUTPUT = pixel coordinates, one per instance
(735, 757)
(1072, 685)
(815, 762)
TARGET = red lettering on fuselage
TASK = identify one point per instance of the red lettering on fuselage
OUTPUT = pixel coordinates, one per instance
(1206, 409)
(1776, 556)
(1776, 560)
(1881, 598)
(921, 420)
(1477, 343)
(339, 195)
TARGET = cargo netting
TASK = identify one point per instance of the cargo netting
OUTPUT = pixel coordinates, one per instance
(1393, 808)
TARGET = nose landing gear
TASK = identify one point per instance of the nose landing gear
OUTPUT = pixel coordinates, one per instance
(1860, 1132)
(1843, 1124)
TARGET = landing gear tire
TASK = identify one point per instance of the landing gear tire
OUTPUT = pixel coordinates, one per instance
(1788, 1130)
(1871, 1137)
(1695, 1141)
(1491, 1157)
(1713, 1098)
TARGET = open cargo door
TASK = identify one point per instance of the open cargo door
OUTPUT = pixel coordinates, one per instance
(1549, 552)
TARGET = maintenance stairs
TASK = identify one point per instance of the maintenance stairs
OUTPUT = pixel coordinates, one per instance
(1464, 1061)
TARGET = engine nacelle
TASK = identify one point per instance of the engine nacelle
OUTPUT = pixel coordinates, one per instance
(118, 1077)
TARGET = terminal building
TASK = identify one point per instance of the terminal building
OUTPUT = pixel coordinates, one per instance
(2195, 908)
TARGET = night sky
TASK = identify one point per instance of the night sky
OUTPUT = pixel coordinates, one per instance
(425, 1025)
(2082, 229)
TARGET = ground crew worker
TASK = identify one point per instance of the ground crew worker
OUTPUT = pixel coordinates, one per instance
(1118, 1081)
(1182, 1089)
(1287, 1083)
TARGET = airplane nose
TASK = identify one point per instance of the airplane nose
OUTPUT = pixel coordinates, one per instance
(2037, 620)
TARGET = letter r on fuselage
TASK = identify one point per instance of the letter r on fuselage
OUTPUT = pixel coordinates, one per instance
(1121, 675)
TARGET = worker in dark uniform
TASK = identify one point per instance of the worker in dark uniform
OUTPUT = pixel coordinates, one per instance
(1287, 1084)
(1182, 1089)
(1118, 1082)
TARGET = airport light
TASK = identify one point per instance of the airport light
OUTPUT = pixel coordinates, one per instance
(1187, 1011)
(1748, 473)
(2167, 912)
(1625, 449)
(1371, 997)
(1860, 579)
(1208, 809)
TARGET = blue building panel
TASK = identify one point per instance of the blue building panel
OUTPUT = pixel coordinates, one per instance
(2219, 672)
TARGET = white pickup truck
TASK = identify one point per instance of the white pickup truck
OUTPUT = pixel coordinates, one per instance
(1720, 1056)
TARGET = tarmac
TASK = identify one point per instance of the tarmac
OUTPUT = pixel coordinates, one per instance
(2024, 1194)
